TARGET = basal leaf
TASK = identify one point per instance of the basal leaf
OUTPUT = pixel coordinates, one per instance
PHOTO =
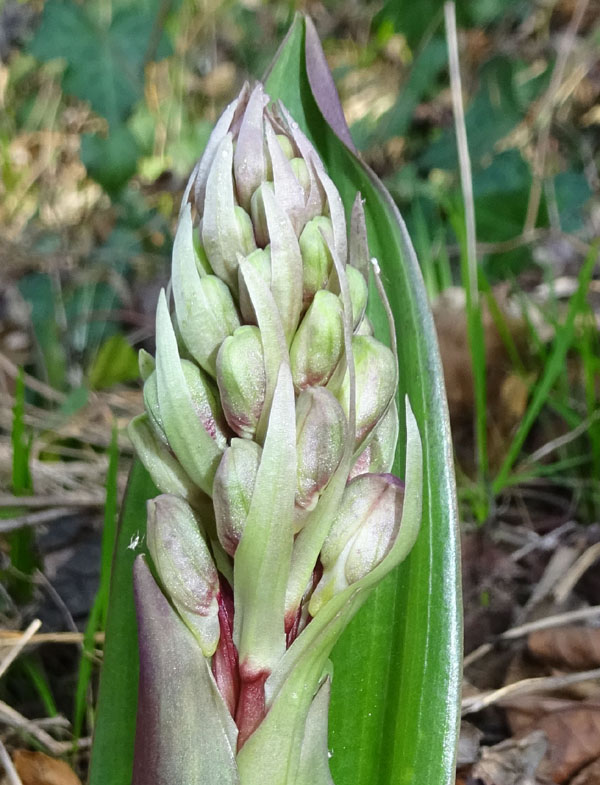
(112, 751)
(396, 682)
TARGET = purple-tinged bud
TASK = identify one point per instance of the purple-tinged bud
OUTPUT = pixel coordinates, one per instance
(249, 160)
(358, 248)
(167, 473)
(185, 567)
(205, 402)
(146, 363)
(232, 490)
(261, 261)
(319, 341)
(321, 433)
(362, 534)
(358, 294)
(226, 227)
(378, 455)
(317, 262)
(375, 370)
(241, 379)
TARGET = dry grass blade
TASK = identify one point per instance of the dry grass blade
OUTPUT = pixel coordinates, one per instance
(481, 701)
(8, 638)
(17, 647)
(550, 622)
(35, 518)
(11, 772)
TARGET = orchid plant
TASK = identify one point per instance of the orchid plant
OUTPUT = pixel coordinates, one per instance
(271, 428)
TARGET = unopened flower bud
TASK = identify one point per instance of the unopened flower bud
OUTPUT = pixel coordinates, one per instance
(146, 363)
(378, 455)
(316, 257)
(300, 170)
(232, 490)
(241, 379)
(321, 432)
(361, 535)
(365, 327)
(249, 160)
(319, 341)
(226, 227)
(375, 370)
(185, 567)
(206, 402)
(286, 146)
(358, 294)
(259, 218)
(261, 261)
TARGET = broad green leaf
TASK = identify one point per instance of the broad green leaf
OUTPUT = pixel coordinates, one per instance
(396, 683)
(104, 53)
(112, 751)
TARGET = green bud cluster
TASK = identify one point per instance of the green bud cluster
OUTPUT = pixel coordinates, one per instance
(271, 420)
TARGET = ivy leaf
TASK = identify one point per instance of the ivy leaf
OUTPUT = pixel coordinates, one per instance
(104, 55)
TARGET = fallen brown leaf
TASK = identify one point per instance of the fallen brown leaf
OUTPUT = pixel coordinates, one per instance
(573, 648)
(512, 762)
(588, 776)
(35, 768)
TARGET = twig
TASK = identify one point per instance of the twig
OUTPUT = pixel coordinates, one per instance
(476, 703)
(539, 162)
(30, 381)
(9, 766)
(463, 148)
(64, 500)
(18, 646)
(8, 637)
(560, 441)
(35, 518)
(14, 719)
(550, 622)
(582, 565)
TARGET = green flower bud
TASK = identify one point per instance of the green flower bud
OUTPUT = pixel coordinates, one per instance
(206, 403)
(259, 218)
(261, 261)
(232, 490)
(358, 294)
(286, 146)
(362, 534)
(146, 363)
(375, 370)
(365, 327)
(316, 257)
(319, 341)
(185, 567)
(300, 169)
(378, 455)
(321, 432)
(226, 227)
(152, 407)
(241, 379)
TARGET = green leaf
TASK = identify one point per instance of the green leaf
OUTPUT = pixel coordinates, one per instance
(395, 691)
(115, 363)
(111, 161)
(112, 751)
(104, 53)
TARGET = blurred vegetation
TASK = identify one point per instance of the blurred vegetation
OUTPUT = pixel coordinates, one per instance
(105, 105)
